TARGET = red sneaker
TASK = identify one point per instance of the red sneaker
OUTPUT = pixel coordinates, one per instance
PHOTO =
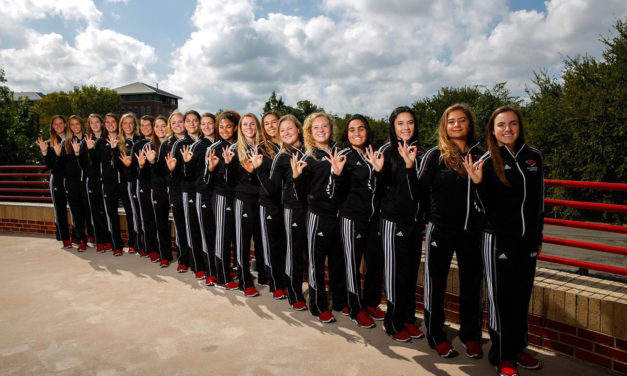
(413, 331)
(91, 239)
(251, 292)
(182, 268)
(132, 250)
(201, 275)
(67, 244)
(143, 254)
(233, 275)
(285, 292)
(74, 241)
(364, 320)
(473, 349)
(299, 306)
(401, 336)
(228, 286)
(376, 313)
(164, 263)
(278, 294)
(100, 248)
(108, 247)
(326, 317)
(210, 281)
(345, 311)
(154, 257)
(445, 350)
(82, 246)
(118, 252)
(527, 361)
(507, 368)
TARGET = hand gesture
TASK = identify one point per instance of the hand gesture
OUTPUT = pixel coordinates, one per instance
(76, 146)
(297, 166)
(113, 141)
(141, 158)
(255, 158)
(89, 141)
(186, 153)
(247, 165)
(170, 161)
(57, 148)
(337, 162)
(126, 159)
(43, 146)
(408, 153)
(474, 170)
(227, 155)
(375, 158)
(151, 154)
(212, 160)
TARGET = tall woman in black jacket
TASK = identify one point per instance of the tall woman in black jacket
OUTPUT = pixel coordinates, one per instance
(128, 179)
(454, 226)
(51, 151)
(510, 182)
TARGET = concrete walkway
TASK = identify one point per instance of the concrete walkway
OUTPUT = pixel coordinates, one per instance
(74, 314)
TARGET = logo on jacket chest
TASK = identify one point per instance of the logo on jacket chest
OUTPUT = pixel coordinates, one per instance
(531, 165)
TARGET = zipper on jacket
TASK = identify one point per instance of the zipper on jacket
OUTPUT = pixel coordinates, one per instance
(522, 205)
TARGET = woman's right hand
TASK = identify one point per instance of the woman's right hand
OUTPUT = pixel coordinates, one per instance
(186, 153)
(337, 162)
(170, 161)
(43, 146)
(151, 154)
(212, 160)
(89, 141)
(408, 153)
(113, 141)
(255, 158)
(297, 166)
(57, 149)
(474, 170)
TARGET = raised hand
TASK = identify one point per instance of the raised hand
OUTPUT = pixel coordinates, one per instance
(151, 154)
(337, 163)
(57, 147)
(375, 158)
(76, 146)
(170, 161)
(255, 158)
(43, 146)
(212, 160)
(408, 153)
(227, 155)
(89, 141)
(113, 141)
(141, 158)
(297, 166)
(126, 159)
(186, 153)
(247, 165)
(474, 170)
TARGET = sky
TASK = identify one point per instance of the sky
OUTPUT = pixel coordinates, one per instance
(347, 56)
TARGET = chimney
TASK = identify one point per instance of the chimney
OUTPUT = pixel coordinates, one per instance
(157, 85)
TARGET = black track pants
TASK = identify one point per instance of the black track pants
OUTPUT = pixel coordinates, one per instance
(197, 258)
(207, 230)
(96, 211)
(225, 228)
(161, 232)
(129, 198)
(295, 251)
(111, 197)
(146, 218)
(273, 242)
(247, 227)
(178, 213)
(73, 191)
(59, 203)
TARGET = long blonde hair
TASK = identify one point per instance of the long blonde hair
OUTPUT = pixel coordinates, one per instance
(449, 152)
(242, 147)
(69, 134)
(173, 114)
(120, 136)
(310, 143)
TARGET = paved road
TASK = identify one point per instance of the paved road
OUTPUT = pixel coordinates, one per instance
(73, 314)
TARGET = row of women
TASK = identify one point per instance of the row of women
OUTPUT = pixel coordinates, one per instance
(306, 201)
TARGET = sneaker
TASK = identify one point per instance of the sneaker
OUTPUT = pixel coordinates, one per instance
(285, 292)
(100, 248)
(164, 263)
(376, 313)
(91, 240)
(401, 336)
(74, 241)
(228, 286)
(182, 268)
(445, 350)
(345, 311)
(527, 361)
(299, 306)
(234, 275)
(154, 257)
(118, 252)
(364, 320)
(473, 349)
(67, 244)
(326, 317)
(413, 331)
(201, 275)
(132, 250)
(251, 292)
(507, 368)
(278, 294)
(143, 254)
(82, 246)
(108, 247)
(210, 281)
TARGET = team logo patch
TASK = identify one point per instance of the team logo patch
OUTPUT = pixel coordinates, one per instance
(531, 165)
(531, 162)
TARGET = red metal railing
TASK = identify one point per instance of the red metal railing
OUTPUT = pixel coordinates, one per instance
(13, 190)
(584, 266)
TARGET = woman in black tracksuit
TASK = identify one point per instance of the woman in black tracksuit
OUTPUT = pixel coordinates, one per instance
(454, 226)
(510, 183)
(323, 238)
(93, 186)
(278, 181)
(271, 210)
(105, 156)
(74, 181)
(176, 122)
(353, 186)
(128, 180)
(51, 151)
(156, 152)
(216, 175)
(401, 224)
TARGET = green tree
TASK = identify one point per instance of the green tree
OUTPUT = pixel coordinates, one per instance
(55, 103)
(302, 109)
(90, 99)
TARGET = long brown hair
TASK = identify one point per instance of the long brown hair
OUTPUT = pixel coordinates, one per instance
(120, 136)
(168, 131)
(69, 135)
(449, 152)
(493, 145)
(89, 131)
(53, 134)
(268, 150)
